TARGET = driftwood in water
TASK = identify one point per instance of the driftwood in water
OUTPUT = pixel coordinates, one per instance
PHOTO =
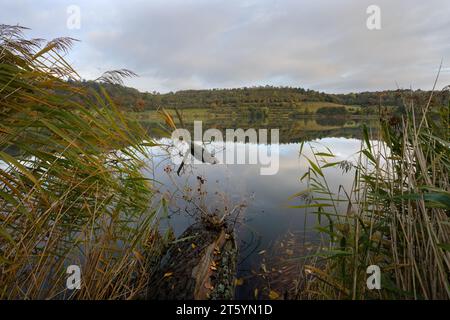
(200, 265)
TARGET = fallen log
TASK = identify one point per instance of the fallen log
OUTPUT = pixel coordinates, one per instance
(200, 265)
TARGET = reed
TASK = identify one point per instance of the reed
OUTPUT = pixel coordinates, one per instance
(395, 215)
(71, 187)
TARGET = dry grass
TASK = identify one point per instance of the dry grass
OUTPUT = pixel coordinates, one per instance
(396, 214)
(71, 188)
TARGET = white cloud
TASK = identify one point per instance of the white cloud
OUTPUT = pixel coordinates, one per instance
(323, 45)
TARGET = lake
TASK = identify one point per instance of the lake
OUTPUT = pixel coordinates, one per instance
(266, 227)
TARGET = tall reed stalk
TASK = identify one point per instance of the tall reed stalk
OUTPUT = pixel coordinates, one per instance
(395, 215)
(71, 188)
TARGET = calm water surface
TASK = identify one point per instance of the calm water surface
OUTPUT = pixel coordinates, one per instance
(266, 217)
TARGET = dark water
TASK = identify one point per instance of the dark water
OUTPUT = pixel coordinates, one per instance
(266, 217)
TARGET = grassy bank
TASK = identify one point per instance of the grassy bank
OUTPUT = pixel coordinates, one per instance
(395, 216)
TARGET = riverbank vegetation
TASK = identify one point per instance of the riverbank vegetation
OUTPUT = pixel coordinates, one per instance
(396, 214)
(71, 187)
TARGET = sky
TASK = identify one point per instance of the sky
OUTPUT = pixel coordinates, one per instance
(323, 45)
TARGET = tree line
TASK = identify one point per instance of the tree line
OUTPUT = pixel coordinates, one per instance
(267, 97)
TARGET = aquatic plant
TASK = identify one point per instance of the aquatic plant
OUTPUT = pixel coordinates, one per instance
(395, 215)
(71, 187)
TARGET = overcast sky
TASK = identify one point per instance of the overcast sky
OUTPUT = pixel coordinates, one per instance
(188, 44)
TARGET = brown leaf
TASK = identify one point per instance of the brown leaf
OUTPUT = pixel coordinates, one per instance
(273, 295)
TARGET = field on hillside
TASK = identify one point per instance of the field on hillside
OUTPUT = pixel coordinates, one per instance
(300, 109)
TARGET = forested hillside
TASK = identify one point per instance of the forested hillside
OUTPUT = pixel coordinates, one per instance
(264, 97)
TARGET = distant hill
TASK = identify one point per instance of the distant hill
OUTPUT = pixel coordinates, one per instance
(299, 99)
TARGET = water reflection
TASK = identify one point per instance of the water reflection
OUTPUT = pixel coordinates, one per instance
(267, 217)
(291, 130)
